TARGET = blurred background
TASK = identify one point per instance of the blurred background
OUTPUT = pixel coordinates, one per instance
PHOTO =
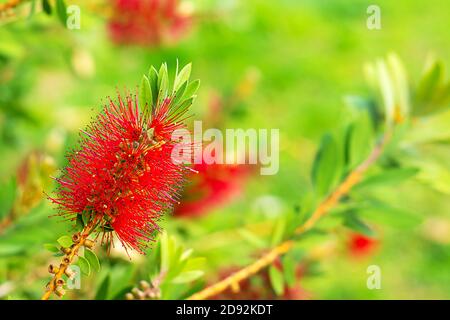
(284, 64)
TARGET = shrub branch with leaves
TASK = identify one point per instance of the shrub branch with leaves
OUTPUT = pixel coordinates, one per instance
(342, 164)
(346, 165)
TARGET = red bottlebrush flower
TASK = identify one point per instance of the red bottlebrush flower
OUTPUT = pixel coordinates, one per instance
(123, 174)
(212, 186)
(360, 245)
(146, 22)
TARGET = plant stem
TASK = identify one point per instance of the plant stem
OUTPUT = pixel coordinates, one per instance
(68, 258)
(322, 209)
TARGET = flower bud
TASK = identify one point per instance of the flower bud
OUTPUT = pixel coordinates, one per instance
(53, 269)
(129, 296)
(76, 237)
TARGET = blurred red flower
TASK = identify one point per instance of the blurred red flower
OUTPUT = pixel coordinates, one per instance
(360, 245)
(213, 186)
(122, 174)
(147, 22)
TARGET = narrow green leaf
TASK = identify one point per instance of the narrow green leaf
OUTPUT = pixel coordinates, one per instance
(62, 11)
(327, 165)
(276, 280)
(353, 222)
(186, 254)
(191, 89)
(289, 270)
(384, 214)
(183, 76)
(84, 265)
(183, 107)
(360, 140)
(32, 9)
(178, 95)
(252, 238)
(80, 223)
(86, 216)
(92, 258)
(145, 93)
(51, 247)
(153, 79)
(428, 85)
(387, 177)
(102, 292)
(163, 82)
(7, 197)
(193, 264)
(278, 231)
(165, 251)
(46, 7)
(145, 98)
(65, 241)
(188, 276)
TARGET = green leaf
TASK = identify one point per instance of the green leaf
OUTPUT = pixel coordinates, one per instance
(163, 82)
(46, 7)
(62, 11)
(145, 97)
(359, 141)
(191, 89)
(188, 276)
(178, 95)
(65, 241)
(392, 176)
(276, 280)
(165, 252)
(353, 222)
(252, 238)
(433, 92)
(84, 265)
(194, 264)
(145, 93)
(395, 217)
(80, 223)
(120, 295)
(7, 197)
(327, 165)
(278, 231)
(102, 292)
(51, 247)
(429, 83)
(182, 77)
(86, 216)
(92, 258)
(186, 254)
(32, 9)
(289, 270)
(153, 79)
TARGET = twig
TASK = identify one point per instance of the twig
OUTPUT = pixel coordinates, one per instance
(323, 208)
(80, 240)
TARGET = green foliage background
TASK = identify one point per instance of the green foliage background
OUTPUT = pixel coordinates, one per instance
(299, 59)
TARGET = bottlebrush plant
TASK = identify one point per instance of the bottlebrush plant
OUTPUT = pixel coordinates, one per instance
(122, 178)
(372, 150)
